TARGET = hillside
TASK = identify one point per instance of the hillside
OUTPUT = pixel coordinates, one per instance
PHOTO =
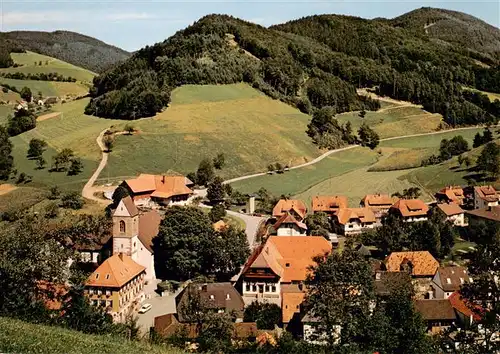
(316, 61)
(21, 337)
(77, 49)
(455, 27)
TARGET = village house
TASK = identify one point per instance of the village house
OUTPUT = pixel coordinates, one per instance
(453, 213)
(297, 208)
(378, 203)
(466, 316)
(451, 194)
(288, 225)
(117, 285)
(438, 314)
(410, 210)
(155, 190)
(218, 297)
(447, 280)
(133, 234)
(485, 196)
(419, 264)
(491, 214)
(278, 268)
(350, 221)
(328, 204)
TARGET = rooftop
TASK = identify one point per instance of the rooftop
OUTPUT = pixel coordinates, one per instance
(450, 209)
(290, 205)
(288, 218)
(160, 186)
(487, 193)
(452, 278)
(411, 207)
(435, 309)
(490, 213)
(363, 214)
(378, 200)
(115, 272)
(291, 304)
(329, 203)
(423, 263)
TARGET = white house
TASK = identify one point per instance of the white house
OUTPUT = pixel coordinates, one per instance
(447, 280)
(485, 196)
(411, 210)
(351, 221)
(288, 225)
(453, 213)
(133, 234)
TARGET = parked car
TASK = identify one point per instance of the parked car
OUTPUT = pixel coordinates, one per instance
(145, 308)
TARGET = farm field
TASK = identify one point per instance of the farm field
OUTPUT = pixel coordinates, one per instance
(28, 60)
(334, 177)
(394, 120)
(401, 159)
(48, 88)
(251, 129)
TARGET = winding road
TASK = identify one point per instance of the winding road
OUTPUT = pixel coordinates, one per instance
(89, 190)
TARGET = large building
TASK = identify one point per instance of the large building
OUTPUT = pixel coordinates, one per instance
(133, 234)
(419, 264)
(410, 210)
(350, 221)
(153, 190)
(117, 285)
(447, 280)
(280, 266)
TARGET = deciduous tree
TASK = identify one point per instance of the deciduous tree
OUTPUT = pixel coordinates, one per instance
(489, 159)
(215, 191)
(205, 173)
(36, 148)
(217, 213)
(25, 94)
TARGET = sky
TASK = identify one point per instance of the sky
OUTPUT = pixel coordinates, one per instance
(133, 24)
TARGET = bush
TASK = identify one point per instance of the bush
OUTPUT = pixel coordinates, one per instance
(55, 193)
(72, 200)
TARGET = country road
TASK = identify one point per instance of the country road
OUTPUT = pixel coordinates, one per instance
(88, 190)
(330, 152)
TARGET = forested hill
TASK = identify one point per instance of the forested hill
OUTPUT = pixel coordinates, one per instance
(310, 63)
(455, 27)
(74, 48)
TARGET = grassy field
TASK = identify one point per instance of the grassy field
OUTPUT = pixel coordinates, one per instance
(48, 88)
(350, 175)
(251, 129)
(29, 64)
(401, 159)
(394, 120)
(21, 337)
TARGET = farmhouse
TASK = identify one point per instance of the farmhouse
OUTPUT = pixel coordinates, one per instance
(280, 266)
(447, 280)
(451, 194)
(491, 213)
(453, 213)
(288, 225)
(379, 203)
(419, 264)
(328, 204)
(117, 285)
(297, 208)
(349, 221)
(410, 210)
(133, 234)
(485, 196)
(437, 313)
(153, 190)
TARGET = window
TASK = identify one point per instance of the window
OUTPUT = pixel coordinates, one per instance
(99, 292)
(91, 291)
(97, 276)
(287, 265)
(122, 226)
(108, 292)
(107, 276)
(273, 288)
(212, 297)
(267, 288)
(228, 297)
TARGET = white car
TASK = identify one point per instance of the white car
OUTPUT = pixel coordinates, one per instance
(145, 308)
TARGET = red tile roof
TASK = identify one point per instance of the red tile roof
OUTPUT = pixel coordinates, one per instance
(328, 204)
(160, 186)
(378, 201)
(453, 194)
(149, 225)
(435, 309)
(450, 209)
(424, 264)
(363, 214)
(490, 213)
(411, 207)
(291, 304)
(115, 272)
(463, 306)
(487, 193)
(289, 218)
(285, 205)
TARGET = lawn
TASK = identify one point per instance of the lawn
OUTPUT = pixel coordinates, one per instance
(301, 179)
(28, 60)
(22, 337)
(48, 88)
(395, 121)
(251, 129)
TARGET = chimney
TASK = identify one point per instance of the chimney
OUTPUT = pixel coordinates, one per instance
(204, 288)
(163, 179)
(121, 256)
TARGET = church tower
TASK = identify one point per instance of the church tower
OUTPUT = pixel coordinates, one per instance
(126, 229)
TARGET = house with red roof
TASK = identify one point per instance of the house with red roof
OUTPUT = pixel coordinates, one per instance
(453, 213)
(288, 225)
(410, 210)
(153, 190)
(117, 285)
(485, 196)
(276, 270)
(295, 207)
(133, 234)
(351, 221)
(328, 204)
(451, 194)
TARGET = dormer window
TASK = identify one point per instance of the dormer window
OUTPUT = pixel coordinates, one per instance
(97, 275)
(287, 265)
(107, 276)
(212, 297)
(448, 280)
(461, 280)
(122, 226)
(228, 297)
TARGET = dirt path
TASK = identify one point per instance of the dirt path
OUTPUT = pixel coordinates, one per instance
(48, 116)
(6, 188)
(89, 190)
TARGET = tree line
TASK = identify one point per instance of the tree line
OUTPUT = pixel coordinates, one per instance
(38, 76)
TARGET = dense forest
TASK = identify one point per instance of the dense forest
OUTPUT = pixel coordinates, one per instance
(74, 48)
(311, 63)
